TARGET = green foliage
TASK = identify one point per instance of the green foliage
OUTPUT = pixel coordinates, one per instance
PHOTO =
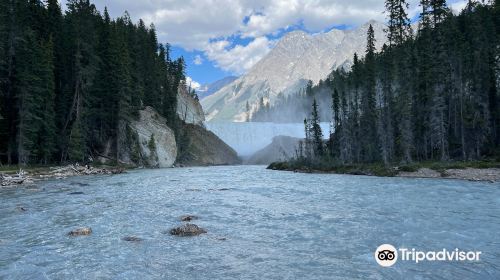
(133, 139)
(68, 81)
(429, 98)
(153, 156)
(316, 133)
(76, 147)
(152, 144)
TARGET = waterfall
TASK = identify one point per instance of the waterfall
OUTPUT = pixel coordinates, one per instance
(246, 138)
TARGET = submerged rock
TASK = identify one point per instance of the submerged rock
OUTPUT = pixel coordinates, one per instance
(187, 230)
(80, 231)
(74, 193)
(221, 189)
(132, 239)
(187, 218)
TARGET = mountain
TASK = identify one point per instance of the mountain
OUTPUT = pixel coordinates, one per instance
(282, 148)
(296, 58)
(209, 89)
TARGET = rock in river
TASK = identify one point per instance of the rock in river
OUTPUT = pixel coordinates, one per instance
(187, 218)
(187, 230)
(75, 193)
(80, 231)
(132, 239)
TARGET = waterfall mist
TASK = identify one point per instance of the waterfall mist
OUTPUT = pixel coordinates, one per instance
(246, 138)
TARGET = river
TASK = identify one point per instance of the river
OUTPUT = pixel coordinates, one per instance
(261, 225)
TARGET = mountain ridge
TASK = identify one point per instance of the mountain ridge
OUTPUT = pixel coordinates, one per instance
(296, 58)
(211, 88)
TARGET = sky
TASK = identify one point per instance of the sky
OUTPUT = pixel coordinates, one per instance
(219, 38)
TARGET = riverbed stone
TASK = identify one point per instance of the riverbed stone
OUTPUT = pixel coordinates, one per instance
(81, 231)
(75, 193)
(187, 230)
(132, 239)
(188, 218)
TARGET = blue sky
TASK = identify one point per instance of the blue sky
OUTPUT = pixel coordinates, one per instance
(219, 38)
(204, 71)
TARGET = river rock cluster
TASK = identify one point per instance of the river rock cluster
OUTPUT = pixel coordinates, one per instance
(187, 230)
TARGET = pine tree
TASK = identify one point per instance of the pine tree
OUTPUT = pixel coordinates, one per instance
(316, 133)
(29, 92)
(47, 134)
(5, 7)
(336, 108)
(247, 110)
(425, 15)
(439, 11)
(76, 146)
(369, 116)
(399, 28)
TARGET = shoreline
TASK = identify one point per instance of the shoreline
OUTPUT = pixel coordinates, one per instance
(32, 175)
(29, 175)
(474, 174)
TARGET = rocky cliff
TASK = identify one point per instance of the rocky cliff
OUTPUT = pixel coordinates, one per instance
(189, 108)
(148, 141)
(202, 147)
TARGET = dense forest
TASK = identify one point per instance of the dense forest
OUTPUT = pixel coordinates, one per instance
(429, 94)
(68, 81)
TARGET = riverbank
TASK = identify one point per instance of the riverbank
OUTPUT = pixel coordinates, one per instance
(471, 171)
(11, 176)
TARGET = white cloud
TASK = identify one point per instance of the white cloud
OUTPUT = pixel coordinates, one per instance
(198, 60)
(191, 83)
(457, 7)
(238, 59)
(195, 24)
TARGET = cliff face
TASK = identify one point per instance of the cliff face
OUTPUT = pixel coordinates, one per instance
(148, 141)
(197, 145)
(188, 108)
(202, 147)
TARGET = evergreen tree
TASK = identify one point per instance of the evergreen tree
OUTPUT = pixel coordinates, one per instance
(398, 26)
(76, 147)
(47, 134)
(316, 133)
(70, 83)
(369, 116)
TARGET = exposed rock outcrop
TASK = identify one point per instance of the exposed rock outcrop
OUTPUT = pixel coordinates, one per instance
(187, 218)
(202, 147)
(281, 149)
(188, 107)
(132, 239)
(80, 231)
(187, 230)
(150, 141)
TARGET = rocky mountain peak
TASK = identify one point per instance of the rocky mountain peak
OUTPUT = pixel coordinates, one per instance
(296, 58)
